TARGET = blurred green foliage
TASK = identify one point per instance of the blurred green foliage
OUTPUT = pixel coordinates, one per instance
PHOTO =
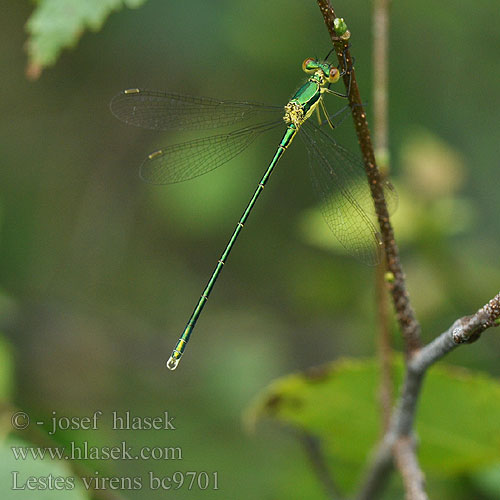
(37, 469)
(98, 271)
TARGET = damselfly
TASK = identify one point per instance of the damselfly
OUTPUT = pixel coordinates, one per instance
(334, 170)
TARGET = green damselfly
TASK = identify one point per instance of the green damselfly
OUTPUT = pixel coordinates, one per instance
(333, 168)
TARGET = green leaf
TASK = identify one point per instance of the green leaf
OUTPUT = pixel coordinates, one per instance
(457, 421)
(58, 24)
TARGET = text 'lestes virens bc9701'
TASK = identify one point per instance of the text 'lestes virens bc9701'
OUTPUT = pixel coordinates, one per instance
(337, 175)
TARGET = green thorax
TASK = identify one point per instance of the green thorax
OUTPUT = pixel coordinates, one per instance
(303, 103)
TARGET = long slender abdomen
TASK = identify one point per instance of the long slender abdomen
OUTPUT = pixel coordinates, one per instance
(186, 334)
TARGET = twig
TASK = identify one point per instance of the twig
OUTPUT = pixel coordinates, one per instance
(413, 478)
(381, 143)
(385, 354)
(313, 449)
(404, 311)
(471, 328)
(380, 79)
(462, 330)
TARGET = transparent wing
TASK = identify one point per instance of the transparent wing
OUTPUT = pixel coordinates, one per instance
(340, 181)
(187, 160)
(164, 110)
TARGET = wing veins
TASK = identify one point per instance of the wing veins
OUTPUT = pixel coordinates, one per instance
(158, 110)
(326, 179)
(187, 160)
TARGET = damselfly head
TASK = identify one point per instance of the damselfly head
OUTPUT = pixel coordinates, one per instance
(325, 71)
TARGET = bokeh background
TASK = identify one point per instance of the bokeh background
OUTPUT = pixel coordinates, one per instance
(99, 271)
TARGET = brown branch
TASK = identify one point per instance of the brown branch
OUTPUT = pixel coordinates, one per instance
(404, 449)
(381, 144)
(409, 326)
(385, 353)
(380, 80)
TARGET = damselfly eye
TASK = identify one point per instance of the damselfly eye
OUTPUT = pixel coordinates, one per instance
(333, 75)
(309, 65)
